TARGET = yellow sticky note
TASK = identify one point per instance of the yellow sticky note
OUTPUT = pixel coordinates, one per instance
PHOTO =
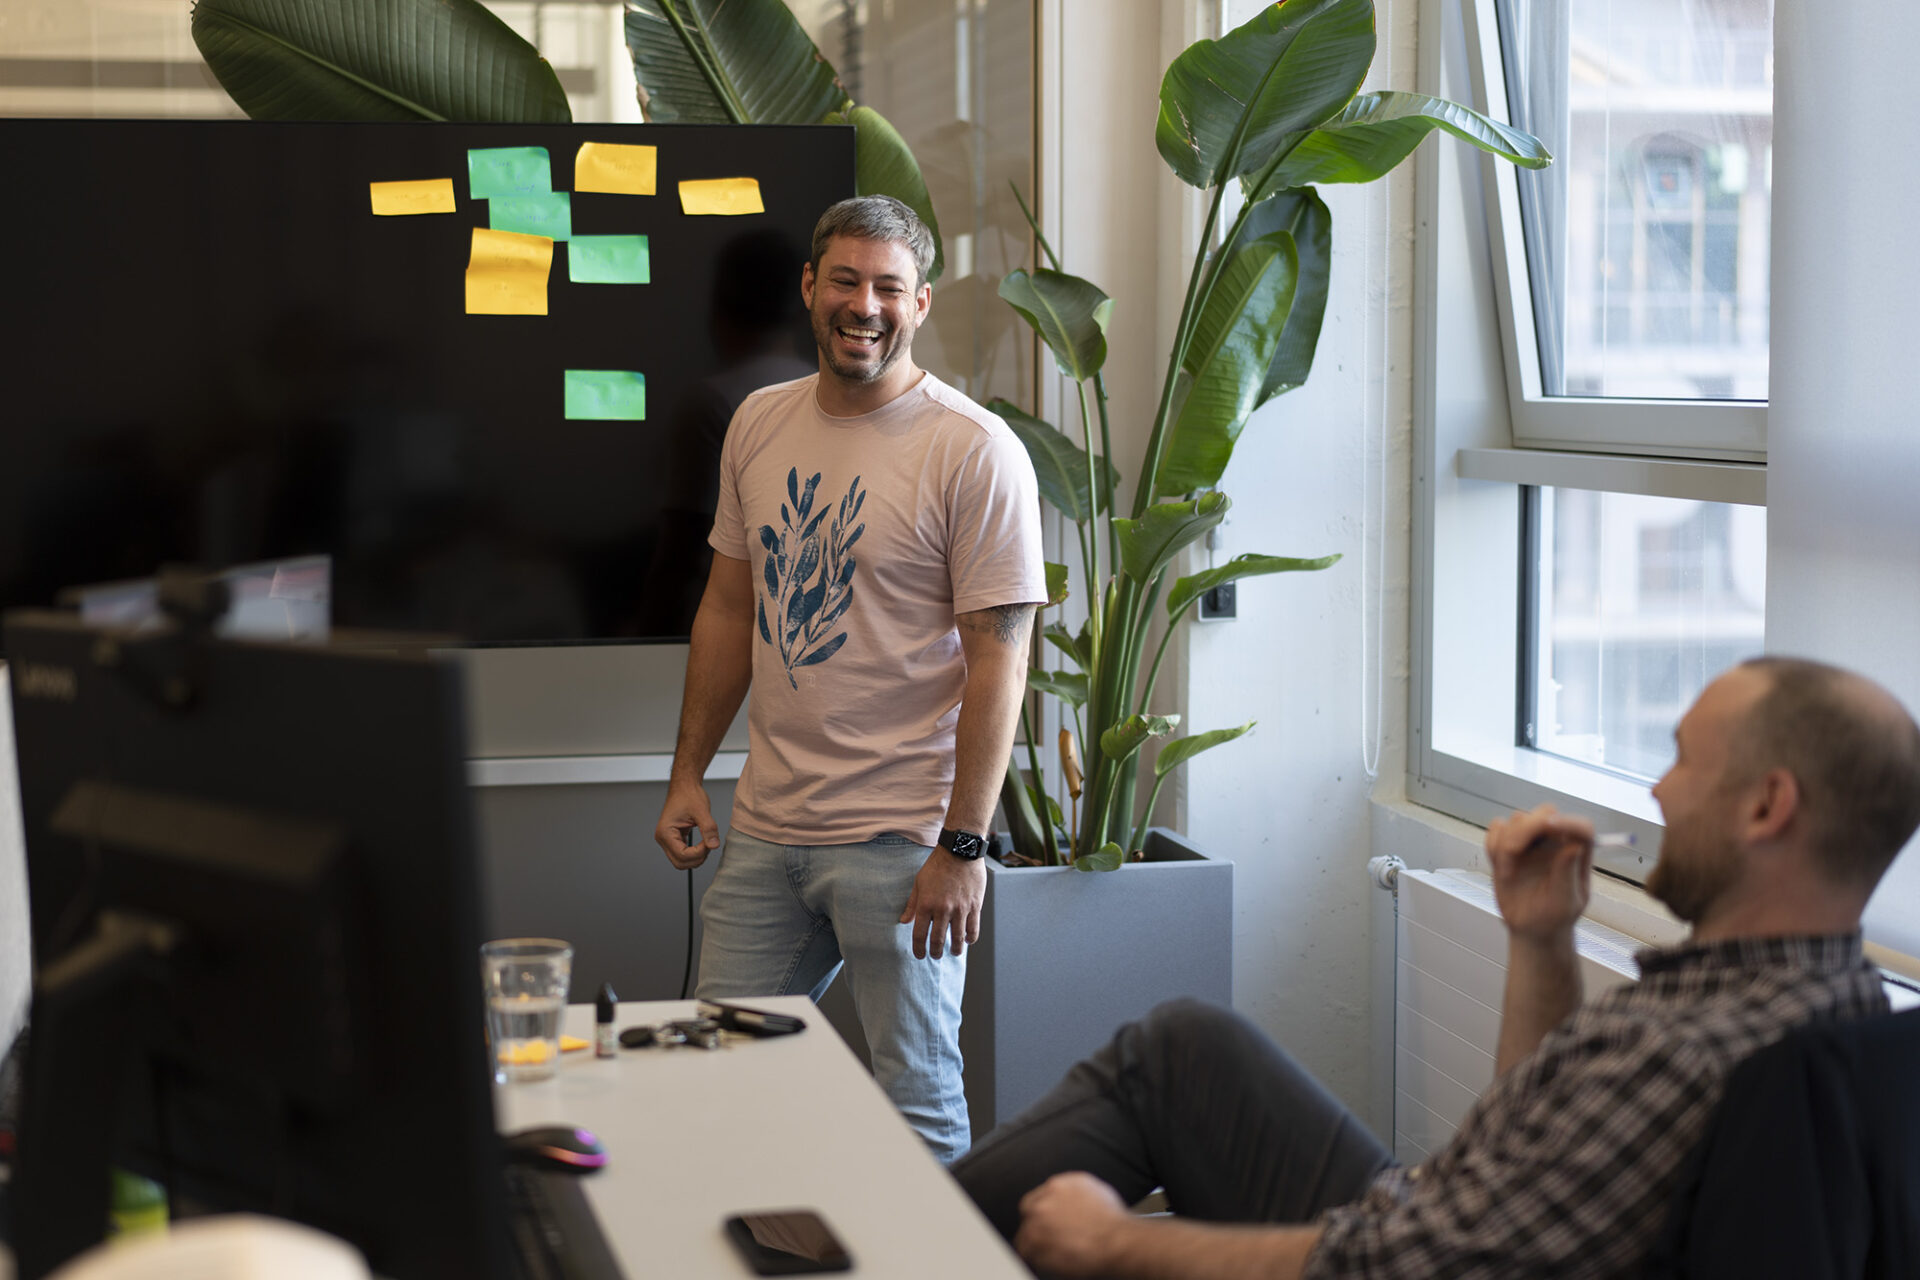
(613, 168)
(507, 273)
(424, 195)
(721, 195)
(573, 1044)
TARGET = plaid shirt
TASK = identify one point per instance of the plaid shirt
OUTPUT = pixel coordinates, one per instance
(1566, 1165)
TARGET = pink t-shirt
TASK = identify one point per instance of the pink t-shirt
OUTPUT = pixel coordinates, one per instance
(865, 536)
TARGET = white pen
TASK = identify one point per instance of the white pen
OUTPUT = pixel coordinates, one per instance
(1615, 840)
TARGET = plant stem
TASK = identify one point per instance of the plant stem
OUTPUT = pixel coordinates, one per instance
(1139, 840)
(1033, 762)
(1093, 496)
(1099, 396)
(1106, 473)
(1153, 673)
(1183, 337)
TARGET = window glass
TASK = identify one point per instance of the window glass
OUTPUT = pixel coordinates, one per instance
(1641, 602)
(1647, 238)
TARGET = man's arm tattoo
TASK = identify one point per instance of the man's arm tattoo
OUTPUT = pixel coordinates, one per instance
(1007, 622)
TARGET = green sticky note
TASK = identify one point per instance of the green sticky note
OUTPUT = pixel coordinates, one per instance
(549, 215)
(606, 393)
(608, 260)
(508, 171)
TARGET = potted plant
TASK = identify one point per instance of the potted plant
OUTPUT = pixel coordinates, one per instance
(1274, 107)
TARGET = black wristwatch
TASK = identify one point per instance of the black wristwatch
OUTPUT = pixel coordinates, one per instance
(963, 844)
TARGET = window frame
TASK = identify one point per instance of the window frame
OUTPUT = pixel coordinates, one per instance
(1731, 430)
(1482, 431)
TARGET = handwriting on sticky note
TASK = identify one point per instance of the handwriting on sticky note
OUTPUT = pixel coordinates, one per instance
(507, 273)
(508, 171)
(608, 260)
(726, 196)
(423, 195)
(549, 215)
(603, 394)
(614, 168)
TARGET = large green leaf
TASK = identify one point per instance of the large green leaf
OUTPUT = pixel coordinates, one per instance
(1125, 738)
(1069, 314)
(744, 61)
(1147, 544)
(1181, 750)
(1068, 686)
(1194, 585)
(1075, 646)
(1106, 858)
(375, 60)
(1377, 131)
(1302, 214)
(1059, 464)
(1228, 360)
(1056, 584)
(1230, 106)
(883, 165)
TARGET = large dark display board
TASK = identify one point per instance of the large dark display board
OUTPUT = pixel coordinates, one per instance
(216, 353)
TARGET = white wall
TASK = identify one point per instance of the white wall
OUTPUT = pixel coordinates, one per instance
(1290, 804)
(1843, 434)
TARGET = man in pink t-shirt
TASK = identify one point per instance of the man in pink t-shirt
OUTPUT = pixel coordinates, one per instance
(876, 568)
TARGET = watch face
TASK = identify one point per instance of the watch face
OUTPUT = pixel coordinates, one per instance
(963, 844)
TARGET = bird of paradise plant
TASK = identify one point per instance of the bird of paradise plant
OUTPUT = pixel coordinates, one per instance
(1274, 106)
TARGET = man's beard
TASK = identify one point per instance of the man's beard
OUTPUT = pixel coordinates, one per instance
(1695, 869)
(885, 356)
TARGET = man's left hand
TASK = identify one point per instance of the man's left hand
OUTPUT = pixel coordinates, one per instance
(945, 904)
(1068, 1225)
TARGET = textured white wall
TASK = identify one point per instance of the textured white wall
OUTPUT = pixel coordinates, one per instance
(1843, 433)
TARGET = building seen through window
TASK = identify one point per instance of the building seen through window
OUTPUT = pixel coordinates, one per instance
(1642, 602)
(1648, 237)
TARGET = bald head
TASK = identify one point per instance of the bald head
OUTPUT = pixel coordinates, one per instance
(1851, 747)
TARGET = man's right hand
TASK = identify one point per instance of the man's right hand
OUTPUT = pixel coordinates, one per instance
(1542, 872)
(686, 807)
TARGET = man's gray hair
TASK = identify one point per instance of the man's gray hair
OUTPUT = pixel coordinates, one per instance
(876, 218)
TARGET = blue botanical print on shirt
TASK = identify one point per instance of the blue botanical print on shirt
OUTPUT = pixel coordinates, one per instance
(809, 574)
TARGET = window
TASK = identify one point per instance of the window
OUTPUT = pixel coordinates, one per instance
(1635, 268)
(1591, 509)
(1641, 601)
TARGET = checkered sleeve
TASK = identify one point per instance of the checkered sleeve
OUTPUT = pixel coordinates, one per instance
(1557, 1172)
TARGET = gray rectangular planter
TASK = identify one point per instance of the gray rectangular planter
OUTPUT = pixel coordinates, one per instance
(1066, 956)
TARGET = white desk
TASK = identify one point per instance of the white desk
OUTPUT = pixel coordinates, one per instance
(789, 1122)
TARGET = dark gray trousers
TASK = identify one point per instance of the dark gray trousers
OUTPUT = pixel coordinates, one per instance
(1194, 1099)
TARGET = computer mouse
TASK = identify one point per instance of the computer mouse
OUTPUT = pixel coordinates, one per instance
(557, 1146)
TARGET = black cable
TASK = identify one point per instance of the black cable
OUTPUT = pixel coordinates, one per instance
(686, 970)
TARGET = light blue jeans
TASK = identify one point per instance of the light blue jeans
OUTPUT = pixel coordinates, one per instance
(782, 919)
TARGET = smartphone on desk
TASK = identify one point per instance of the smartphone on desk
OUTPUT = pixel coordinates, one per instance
(754, 1022)
(787, 1242)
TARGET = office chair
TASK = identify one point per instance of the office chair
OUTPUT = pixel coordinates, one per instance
(1811, 1165)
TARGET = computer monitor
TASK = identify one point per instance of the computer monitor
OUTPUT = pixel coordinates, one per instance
(256, 916)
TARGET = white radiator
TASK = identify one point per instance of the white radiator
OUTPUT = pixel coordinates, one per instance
(1451, 969)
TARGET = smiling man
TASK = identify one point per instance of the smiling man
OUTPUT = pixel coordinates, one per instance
(876, 568)
(1794, 785)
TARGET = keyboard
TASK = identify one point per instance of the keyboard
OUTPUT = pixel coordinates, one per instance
(554, 1231)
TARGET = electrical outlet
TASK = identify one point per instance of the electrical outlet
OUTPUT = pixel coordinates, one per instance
(1219, 602)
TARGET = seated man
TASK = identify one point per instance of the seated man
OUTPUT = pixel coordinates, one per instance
(1793, 787)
